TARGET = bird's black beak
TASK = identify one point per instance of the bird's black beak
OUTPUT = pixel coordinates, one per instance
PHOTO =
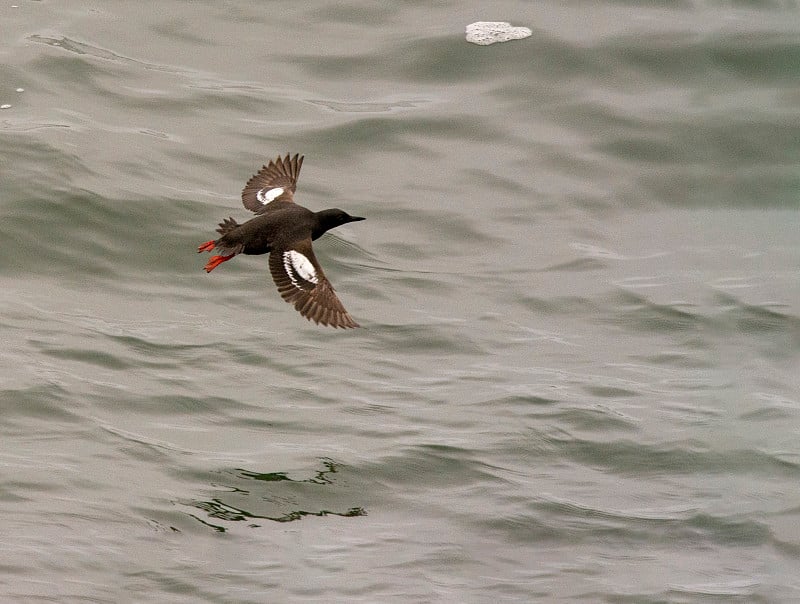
(356, 218)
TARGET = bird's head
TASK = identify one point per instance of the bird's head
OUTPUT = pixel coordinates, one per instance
(329, 219)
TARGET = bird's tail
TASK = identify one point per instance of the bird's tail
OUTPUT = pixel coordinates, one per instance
(226, 226)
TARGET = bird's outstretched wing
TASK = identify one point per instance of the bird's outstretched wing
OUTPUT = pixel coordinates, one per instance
(276, 181)
(301, 282)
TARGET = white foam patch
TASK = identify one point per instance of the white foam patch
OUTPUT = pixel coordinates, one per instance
(296, 263)
(267, 195)
(489, 32)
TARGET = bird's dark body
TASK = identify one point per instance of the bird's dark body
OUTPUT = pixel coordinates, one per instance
(284, 224)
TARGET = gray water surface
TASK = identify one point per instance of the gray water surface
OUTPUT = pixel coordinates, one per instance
(577, 377)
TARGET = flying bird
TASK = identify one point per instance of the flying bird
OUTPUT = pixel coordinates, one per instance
(285, 230)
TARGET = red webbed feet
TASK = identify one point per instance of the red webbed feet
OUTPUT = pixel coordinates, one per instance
(215, 261)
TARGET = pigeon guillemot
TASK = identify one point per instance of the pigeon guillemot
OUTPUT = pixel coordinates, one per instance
(285, 230)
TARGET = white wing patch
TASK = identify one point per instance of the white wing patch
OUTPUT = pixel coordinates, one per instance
(267, 195)
(298, 265)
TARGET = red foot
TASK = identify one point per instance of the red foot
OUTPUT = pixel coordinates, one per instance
(206, 247)
(215, 261)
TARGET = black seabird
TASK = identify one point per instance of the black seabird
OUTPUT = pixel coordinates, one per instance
(285, 230)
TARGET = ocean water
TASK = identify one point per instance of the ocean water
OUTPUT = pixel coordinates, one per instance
(578, 376)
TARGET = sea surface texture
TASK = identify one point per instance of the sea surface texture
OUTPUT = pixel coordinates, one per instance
(578, 373)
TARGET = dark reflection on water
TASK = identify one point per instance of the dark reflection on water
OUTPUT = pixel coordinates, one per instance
(221, 511)
(238, 489)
